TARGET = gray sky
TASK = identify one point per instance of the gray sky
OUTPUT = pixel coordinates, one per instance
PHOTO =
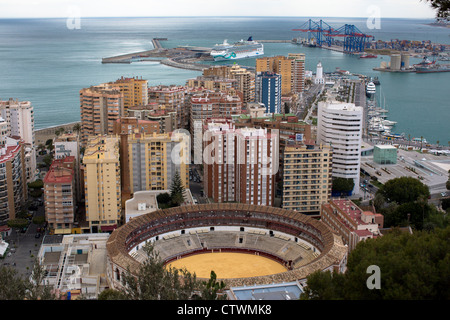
(149, 8)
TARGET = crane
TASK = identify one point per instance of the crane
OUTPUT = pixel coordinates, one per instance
(354, 40)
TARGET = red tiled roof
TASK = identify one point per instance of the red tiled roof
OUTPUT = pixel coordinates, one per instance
(58, 173)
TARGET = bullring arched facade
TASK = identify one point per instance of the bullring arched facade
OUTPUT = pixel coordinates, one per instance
(229, 221)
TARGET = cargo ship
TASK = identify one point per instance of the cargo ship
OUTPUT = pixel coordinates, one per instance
(238, 50)
(433, 68)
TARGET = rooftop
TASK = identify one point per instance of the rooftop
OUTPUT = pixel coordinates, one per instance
(8, 152)
(59, 172)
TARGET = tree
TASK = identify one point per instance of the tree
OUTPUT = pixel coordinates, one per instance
(163, 198)
(76, 127)
(59, 131)
(212, 287)
(15, 287)
(18, 223)
(404, 189)
(155, 281)
(177, 190)
(48, 159)
(110, 294)
(323, 285)
(447, 184)
(37, 290)
(412, 267)
(12, 285)
(342, 185)
(442, 7)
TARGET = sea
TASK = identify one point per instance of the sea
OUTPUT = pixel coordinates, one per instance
(48, 61)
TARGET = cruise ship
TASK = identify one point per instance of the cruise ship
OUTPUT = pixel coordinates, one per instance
(370, 89)
(238, 50)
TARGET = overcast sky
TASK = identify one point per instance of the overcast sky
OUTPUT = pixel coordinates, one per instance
(151, 8)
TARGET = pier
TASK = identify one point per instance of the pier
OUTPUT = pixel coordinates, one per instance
(183, 57)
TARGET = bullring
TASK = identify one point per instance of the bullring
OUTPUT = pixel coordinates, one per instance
(299, 242)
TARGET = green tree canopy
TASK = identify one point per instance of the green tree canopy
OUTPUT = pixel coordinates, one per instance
(16, 287)
(404, 189)
(412, 266)
(37, 184)
(155, 281)
(12, 286)
(342, 185)
(442, 7)
(177, 189)
(17, 223)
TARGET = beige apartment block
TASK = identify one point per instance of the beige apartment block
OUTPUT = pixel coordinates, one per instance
(155, 158)
(291, 69)
(102, 183)
(306, 177)
(135, 91)
(100, 107)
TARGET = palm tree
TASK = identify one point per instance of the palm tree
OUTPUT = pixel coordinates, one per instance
(77, 127)
(59, 131)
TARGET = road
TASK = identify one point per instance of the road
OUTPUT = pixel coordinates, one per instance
(309, 97)
(24, 247)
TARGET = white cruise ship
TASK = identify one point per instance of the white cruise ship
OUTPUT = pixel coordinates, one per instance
(238, 50)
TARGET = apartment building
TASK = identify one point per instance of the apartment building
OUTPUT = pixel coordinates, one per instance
(214, 105)
(68, 145)
(351, 222)
(135, 91)
(123, 128)
(153, 160)
(100, 107)
(13, 183)
(19, 118)
(166, 118)
(3, 132)
(290, 68)
(244, 79)
(173, 98)
(239, 164)
(60, 195)
(341, 125)
(268, 91)
(102, 183)
(306, 177)
(212, 83)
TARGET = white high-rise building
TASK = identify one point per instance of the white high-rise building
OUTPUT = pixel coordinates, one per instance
(319, 74)
(19, 117)
(340, 125)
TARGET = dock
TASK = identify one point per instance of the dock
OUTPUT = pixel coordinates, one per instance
(183, 57)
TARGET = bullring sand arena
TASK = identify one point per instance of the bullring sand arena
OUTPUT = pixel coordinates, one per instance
(229, 265)
(243, 244)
